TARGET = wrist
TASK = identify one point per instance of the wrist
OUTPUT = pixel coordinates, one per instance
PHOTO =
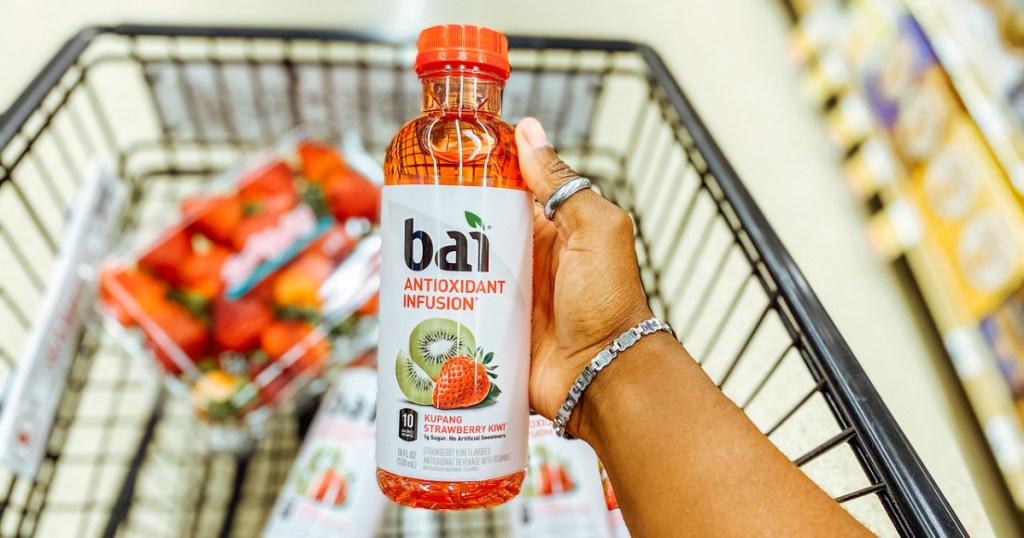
(617, 381)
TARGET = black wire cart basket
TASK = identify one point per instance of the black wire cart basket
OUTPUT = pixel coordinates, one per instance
(171, 107)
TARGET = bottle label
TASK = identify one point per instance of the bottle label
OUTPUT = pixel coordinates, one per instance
(332, 489)
(455, 300)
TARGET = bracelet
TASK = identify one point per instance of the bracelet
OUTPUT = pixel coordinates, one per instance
(620, 344)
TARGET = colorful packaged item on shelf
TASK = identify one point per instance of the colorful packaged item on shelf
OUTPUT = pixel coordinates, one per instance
(953, 205)
(909, 92)
(849, 122)
(1003, 331)
(332, 488)
(987, 58)
(562, 495)
(975, 229)
(871, 167)
(895, 66)
(239, 297)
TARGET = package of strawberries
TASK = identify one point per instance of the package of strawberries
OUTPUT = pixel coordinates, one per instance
(240, 299)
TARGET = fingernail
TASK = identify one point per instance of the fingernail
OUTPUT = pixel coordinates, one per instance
(534, 133)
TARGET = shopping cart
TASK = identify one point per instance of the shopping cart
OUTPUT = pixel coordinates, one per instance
(173, 106)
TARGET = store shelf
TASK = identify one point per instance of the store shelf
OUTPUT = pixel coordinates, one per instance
(981, 70)
(918, 102)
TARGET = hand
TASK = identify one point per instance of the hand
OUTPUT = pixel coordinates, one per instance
(586, 284)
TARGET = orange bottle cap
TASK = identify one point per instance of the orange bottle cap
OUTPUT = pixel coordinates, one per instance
(455, 46)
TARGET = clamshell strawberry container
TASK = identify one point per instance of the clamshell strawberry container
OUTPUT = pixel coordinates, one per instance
(239, 298)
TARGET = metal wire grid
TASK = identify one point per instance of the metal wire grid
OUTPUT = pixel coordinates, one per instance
(174, 106)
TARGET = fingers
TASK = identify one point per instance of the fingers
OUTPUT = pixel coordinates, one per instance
(544, 171)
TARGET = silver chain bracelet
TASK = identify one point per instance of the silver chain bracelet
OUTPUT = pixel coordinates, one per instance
(620, 344)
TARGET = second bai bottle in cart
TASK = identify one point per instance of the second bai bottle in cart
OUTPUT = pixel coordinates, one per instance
(456, 286)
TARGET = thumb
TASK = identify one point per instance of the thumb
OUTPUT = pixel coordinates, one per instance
(544, 171)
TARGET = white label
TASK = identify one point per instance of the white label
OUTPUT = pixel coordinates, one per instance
(562, 495)
(332, 488)
(456, 286)
(43, 366)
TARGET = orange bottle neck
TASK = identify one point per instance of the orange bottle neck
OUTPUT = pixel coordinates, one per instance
(461, 93)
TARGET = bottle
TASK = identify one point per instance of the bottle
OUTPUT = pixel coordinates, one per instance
(616, 523)
(331, 489)
(563, 496)
(456, 286)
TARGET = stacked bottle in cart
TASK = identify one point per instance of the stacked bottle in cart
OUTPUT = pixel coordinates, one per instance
(173, 107)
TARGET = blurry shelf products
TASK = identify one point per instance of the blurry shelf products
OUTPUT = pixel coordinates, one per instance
(923, 101)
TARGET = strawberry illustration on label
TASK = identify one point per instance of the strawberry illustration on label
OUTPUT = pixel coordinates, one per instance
(330, 487)
(609, 493)
(463, 382)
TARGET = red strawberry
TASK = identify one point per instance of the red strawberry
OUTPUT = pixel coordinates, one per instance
(237, 324)
(318, 161)
(213, 216)
(331, 486)
(545, 480)
(200, 273)
(299, 283)
(164, 258)
(462, 382)
(120, 287)
(351, 195)
(270, 180)
(171, 326)
(281, 336)
(565, 483)
(277, 204)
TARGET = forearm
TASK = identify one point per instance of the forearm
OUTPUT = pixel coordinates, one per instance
(684, 460)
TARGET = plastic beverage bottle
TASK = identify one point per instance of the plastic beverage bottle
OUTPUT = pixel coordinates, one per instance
(562, 493)
(456, 286)
(330, 490)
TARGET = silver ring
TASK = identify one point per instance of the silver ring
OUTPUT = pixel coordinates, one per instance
(562, 193)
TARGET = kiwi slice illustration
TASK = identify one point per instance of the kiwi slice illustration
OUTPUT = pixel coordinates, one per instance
(417, 387)
(436, 340)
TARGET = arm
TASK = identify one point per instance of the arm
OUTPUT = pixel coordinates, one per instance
(683, 459)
